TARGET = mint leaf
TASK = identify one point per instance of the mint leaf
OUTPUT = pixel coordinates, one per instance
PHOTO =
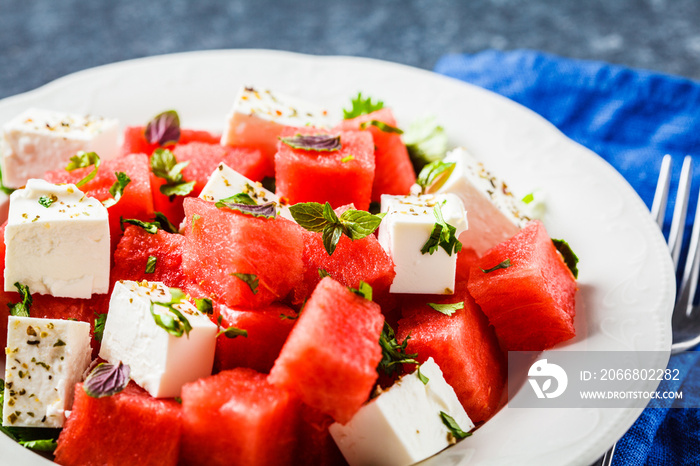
(174, 322)
(503, 265)
(381, 126)
(100, 321)
(151, 228)
(362, 106)
(267, 210)
(442, 235)
(164, 165)
(46, 445)
(426, 141)
(151, 264)
(315, 142)
(358, 223)
(393, 353)
(364, 290)
(163, 223)
(241, 198)
(82, 160)
(117, 189)
(21, 309)
(250, 279)
(452, 426)
(204, 305)
(570, 258)
(46, 201)
(447, 309)
(107, 380)
(163, 129)
(331, 237)
(309, 215)
(434, 175)
(323, 273)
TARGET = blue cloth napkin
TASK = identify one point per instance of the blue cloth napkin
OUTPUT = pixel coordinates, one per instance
(631, 118)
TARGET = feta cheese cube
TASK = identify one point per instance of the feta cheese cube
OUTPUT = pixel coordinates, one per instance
(38, 141)
(405, 229)
(258, 116)
(57, 241)
(403, 424)
(495, 214)
(160, 362)
(225, 182)
(45, 358)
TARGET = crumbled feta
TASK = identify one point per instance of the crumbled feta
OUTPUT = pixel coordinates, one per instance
(57, 241)
(160, 362)
(38, 141)
(45, 358)
(405, 229)
(402, 425)
(495, 214)
(226, 182)
(258, 116)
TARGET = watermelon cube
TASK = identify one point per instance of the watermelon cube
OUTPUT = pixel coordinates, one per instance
(237, 418)
(332, 353)
(462, 344)
(315, 444)
(240, 260)
(267, 329)
(531, 303)
(135, 139)
(130, 427)
(137, 246)
(393, 173)
(340, 177)
(136, 201)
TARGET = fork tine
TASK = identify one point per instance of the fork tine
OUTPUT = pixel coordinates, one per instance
(689, 281)
(675, 236)
(658, 206)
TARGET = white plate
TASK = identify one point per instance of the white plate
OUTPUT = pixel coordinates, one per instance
(626, 281)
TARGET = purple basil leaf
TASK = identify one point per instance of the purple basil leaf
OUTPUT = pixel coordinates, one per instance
(164, 129)
(107, 380)
(268, 210)
(317, 142)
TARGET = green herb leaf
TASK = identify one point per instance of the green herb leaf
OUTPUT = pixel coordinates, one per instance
(4, 188)
(434, 175)
(422, 377)
(323, 273)
(347, 158)
(117, 189)
(570, 259)
(163, 129)
(241, 198)
(178, 400)
(528, 198)
(233, 332)
(426, 141)
(315, 142)
(100, 321)
(355, 224)
(46, 201)
(503, 265)
(107, 380)
(174, 322)
(151, 264)
(21, 309)
(267, 210)
(381, 126)
(285, 317)
(443, 235)
(452, 426)
(151, 228)
(362, 106)
(447, 309)
(250, 279)
(393, 352)
(82, 160)
(47, 445)
(204, 305)
(163, 223)
(364, 290)
(164, 165)
(269, 183)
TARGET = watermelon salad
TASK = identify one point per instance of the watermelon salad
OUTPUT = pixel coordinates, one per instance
(291, 290)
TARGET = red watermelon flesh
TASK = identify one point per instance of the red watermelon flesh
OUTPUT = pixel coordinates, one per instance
(136, 201)
(137, 245)
(315, 445)
(135, 139)
(237, 418)
(128, 428)
(222, 242)
(530, 303)
(351, 262)
(332, 353)
(393, 172)
(267, 329)
(340, 177)
(466, 258)
(463, 345)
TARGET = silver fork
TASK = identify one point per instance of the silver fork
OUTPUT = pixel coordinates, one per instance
(686, 316)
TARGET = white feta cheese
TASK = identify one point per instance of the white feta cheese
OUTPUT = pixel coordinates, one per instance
(258, 116)
(38, 141)
(160, 362)
(405, 229)
(225, 182)
(45, 358)
(403, 424)
(57, 241)
(495, 214)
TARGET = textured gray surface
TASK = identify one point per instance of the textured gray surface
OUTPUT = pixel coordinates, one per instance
(44, 39)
